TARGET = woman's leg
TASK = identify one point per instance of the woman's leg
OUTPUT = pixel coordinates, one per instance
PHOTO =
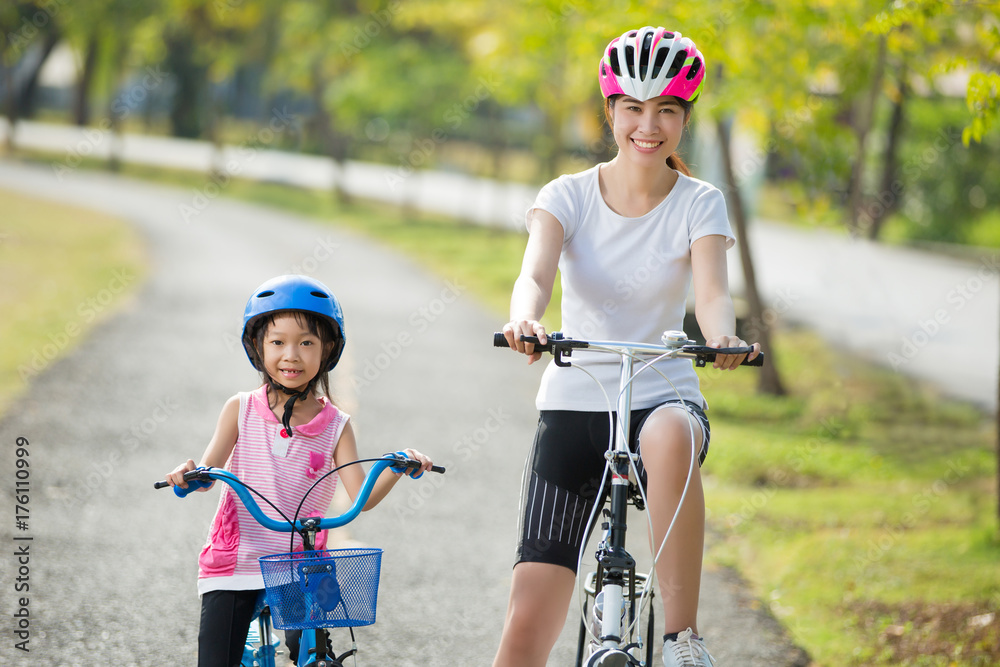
(540, 594)
(665, 446)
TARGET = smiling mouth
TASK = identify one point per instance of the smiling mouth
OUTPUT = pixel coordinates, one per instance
(646, 144)
(289, 372)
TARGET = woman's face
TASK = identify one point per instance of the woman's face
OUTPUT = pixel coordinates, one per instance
(647, 132)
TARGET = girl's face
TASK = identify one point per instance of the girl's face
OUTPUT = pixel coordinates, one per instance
(292, 354)
(647, 132)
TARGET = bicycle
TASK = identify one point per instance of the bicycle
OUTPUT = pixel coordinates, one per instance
(611, 590)
(310, 589)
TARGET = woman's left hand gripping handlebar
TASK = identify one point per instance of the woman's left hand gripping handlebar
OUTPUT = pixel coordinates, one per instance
(731, 361)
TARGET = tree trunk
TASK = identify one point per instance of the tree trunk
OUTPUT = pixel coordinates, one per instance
(81, 95)
(185, 110)
(553, 143)
(10, 106)
(863, 121)
(891, 190)
(770, 380)
(26, 98)
(333, 144)
(116, 111)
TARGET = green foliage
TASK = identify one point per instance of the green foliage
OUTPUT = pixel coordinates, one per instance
(945, 187)
(983, 100)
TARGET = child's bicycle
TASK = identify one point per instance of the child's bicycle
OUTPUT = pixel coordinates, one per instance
(615, 593)
(310, 589)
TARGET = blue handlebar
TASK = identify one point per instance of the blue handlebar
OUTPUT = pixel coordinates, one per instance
(283, 526)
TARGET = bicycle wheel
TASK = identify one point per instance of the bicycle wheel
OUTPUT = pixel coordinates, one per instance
(648, 640)
(582, 642)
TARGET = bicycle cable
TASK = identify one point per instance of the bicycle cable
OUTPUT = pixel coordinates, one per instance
(647, 587)
(291, 541)
(642, 492)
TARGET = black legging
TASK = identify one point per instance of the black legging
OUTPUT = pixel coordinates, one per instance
(225, 621)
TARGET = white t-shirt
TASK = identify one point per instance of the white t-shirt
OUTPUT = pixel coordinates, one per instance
(625, 279)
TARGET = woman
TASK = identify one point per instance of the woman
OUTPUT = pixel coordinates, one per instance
(629, 236)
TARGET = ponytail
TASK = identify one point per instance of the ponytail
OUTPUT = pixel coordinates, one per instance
(675, 162)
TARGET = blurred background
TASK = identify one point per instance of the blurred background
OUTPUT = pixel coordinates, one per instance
(849, 105)
(857, 144)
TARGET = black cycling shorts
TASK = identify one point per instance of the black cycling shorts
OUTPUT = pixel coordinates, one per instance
(563, 475)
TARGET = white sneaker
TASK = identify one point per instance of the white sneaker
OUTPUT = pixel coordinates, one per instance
(687, 651)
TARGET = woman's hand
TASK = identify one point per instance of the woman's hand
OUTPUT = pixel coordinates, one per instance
(731, 361)
(513, 331)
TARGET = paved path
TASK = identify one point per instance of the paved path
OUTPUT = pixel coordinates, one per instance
(930, 317)
(112, 562)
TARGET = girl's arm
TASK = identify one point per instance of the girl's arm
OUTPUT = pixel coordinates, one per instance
(353, 477)
(219, 449)
(713, 305)
(533, 287)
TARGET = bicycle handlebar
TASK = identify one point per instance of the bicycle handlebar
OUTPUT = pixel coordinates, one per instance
(203, 476)
(560, 346)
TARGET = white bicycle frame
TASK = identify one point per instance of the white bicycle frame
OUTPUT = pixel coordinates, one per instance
(621, 461)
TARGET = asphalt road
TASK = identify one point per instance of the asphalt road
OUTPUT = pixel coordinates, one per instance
(112, 562)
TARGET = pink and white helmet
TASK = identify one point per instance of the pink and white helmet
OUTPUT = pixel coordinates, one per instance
(650, 62)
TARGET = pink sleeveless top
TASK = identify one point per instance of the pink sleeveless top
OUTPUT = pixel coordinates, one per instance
(282, 469)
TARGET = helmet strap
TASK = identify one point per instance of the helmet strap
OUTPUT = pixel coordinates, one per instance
(286, 416)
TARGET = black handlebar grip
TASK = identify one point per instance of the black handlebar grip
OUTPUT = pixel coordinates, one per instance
(161, 485)
(499, 340)
(437, 469)
(710, 356)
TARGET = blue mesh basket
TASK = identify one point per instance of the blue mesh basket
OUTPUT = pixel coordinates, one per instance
(322, 589)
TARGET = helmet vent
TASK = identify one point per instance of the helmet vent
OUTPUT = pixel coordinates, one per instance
(616, 65)
(265, 293)
(677, 65)
(629, 59)
(661, 57)
(647, 44)
(668, 35)
(320, 295)
(695, 68)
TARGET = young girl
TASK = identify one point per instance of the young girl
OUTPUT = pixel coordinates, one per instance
(279, 439)
(628, 236)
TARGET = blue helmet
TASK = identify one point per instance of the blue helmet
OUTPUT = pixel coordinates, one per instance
(293, 293)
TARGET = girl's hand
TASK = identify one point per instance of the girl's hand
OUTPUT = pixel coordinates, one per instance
(513, 331)
(425, 462)
(176, 478)
(731, 361)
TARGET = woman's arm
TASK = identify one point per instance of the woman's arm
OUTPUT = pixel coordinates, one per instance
(533, 287)
(220, 447)
(353, 477)
(713, 305)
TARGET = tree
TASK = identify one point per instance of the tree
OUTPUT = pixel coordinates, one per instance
(29, 32)
(980, 55)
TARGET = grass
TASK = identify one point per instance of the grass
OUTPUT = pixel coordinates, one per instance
(63, 271)
(860, 508)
